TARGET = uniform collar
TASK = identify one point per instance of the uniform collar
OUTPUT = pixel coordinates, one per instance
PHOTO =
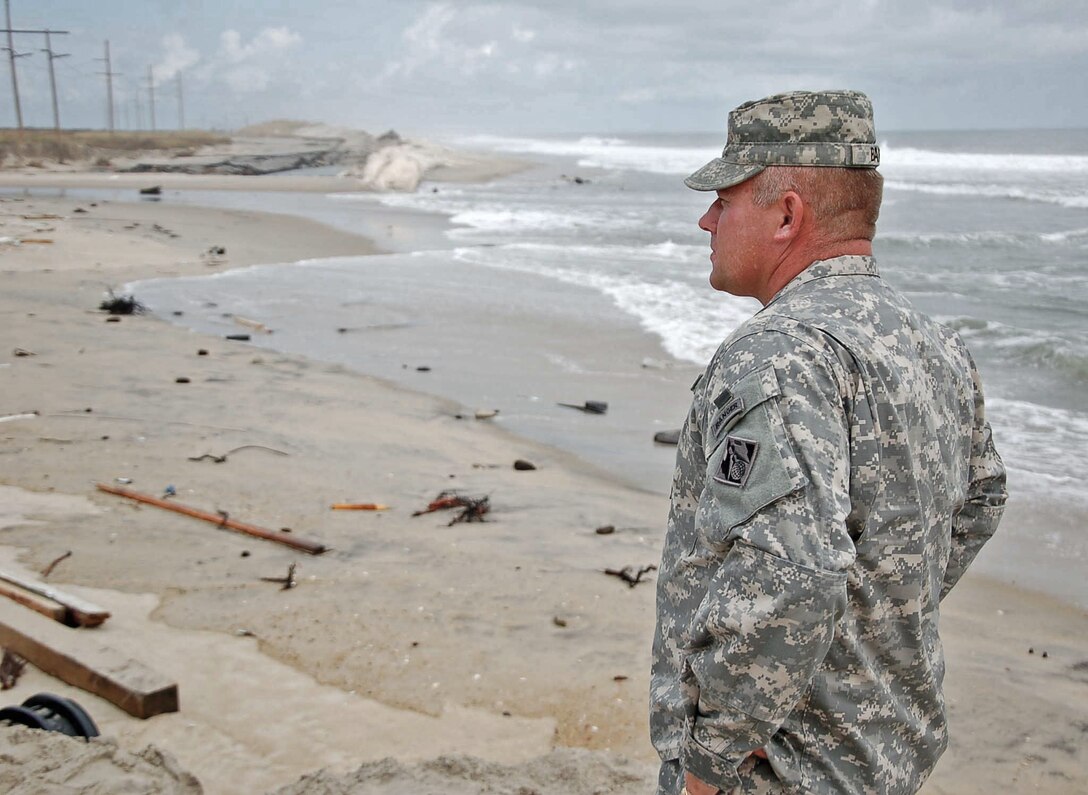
(851, 265)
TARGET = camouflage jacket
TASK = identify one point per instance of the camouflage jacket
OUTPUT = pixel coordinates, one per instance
(834, 479)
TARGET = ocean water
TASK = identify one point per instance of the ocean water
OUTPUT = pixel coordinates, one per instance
(588, 272)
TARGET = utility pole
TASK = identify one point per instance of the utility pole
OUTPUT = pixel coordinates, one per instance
(109, 73)
(151, 94)
(53, 78)
(139, 108)
(12, 56)
(181, 105)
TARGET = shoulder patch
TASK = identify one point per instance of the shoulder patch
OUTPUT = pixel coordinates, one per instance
(732, 402)
(737, 462)
(727, 413)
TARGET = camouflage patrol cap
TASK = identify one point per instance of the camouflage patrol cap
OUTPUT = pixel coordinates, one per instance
(802, 128)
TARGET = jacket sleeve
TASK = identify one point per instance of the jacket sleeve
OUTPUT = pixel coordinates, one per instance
(977, 520)
(772, 524)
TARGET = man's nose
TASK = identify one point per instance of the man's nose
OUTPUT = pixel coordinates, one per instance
(709, 221)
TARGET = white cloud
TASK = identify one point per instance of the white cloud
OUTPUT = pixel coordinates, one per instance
(248, 78)
(177, 57)
(467, 41)
(251, 66)
(266, 41)
(522, 35)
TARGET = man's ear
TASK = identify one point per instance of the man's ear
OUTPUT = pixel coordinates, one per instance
(791, 215)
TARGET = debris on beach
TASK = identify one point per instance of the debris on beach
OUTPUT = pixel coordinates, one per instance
(474, 511)
(238, 337)
(154, 190)
(91, 666)
(122, 305)
(49, 569)
(220, 519)
(524, 466)
(605, 530)
(214, 255)
(288, 582)
(486, 414)
(11, 668)
(589, 407)
(631, 579)
(219, 459)
(65, 608)
(667, 437)
(358, 506)
(21, 352)
(473, 508)
(256, 325)
(26, 415)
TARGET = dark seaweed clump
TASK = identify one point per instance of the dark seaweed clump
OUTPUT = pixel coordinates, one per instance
(122, 305)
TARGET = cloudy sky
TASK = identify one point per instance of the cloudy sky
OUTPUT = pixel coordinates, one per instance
(551, 66)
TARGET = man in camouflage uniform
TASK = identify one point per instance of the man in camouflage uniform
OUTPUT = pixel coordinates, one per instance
(834, 479)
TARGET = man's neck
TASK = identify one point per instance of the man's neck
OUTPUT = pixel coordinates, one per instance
(797, 261)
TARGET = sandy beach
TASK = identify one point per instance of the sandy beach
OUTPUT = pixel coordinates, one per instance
(410, 638)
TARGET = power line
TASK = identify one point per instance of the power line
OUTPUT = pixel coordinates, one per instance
(151, 95)
(181, 104)
(52, 78)
(109, 73)
(12, 56)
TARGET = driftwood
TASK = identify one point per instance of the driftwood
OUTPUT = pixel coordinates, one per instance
(81, 660)
(631, 579)
(219, 459)
(473, 508)
(27, 415)
(256, 325)
(288, 582)
(11, 668)
(51, 602)
(589, 407)
(221, 519)
(49, 569)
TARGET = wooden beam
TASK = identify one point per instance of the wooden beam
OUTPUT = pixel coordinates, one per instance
(46, 607)
(81, 658)
(77, 612)
(305, 544)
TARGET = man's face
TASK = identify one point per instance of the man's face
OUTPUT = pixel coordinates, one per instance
(740, 237)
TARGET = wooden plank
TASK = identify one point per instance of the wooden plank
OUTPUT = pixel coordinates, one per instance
(78, 612)
(305, 544)
(81, 658)
(46, 607)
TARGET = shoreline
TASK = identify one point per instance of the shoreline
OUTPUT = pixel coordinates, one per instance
(351, 436)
